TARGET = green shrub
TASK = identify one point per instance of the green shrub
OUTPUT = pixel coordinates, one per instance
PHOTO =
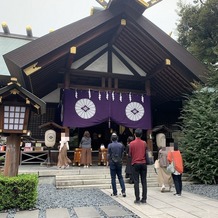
(200, 136)
(18, 192)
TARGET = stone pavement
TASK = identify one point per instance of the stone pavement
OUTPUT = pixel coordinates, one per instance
(167, 205)
(158, 205)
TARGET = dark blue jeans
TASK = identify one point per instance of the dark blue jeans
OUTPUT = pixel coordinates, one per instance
(116, 170)
(178, 183)
(140, 170)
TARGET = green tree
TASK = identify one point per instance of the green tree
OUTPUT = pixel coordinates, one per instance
(200, 142)
(198, 33)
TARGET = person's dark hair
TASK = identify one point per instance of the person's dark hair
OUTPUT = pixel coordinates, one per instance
(138, 133)
(176, 147)
(114, 137)
(129, 139)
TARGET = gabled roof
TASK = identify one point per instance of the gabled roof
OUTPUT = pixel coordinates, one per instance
(8, 43)
(15, 90)
(125, 36)
(51, 125)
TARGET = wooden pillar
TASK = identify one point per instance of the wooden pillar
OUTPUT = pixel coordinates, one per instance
(109, 83)
(103, 82)
(149, 131)
(67, 80)
(67, 86)
(116, 83)
(12, 159)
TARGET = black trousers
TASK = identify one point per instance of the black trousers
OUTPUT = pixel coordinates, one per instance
(178, 183)
(140, 170)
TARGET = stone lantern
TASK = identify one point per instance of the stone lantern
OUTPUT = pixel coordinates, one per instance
(16, 103)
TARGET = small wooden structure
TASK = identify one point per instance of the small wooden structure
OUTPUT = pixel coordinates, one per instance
(15, 106)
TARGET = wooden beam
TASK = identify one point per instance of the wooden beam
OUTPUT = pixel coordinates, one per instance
(156, 70)
(92, 59)
(86, 73)
(83, 87)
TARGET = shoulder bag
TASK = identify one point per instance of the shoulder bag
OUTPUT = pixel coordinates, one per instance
(171, 166)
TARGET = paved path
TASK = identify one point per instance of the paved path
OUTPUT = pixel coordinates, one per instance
(159, 205)
(167, 205)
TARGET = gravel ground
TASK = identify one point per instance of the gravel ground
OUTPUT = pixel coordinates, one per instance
(50, 197)
(210, 191)
(70, 198)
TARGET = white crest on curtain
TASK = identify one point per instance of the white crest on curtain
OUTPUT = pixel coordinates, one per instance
(113, 96)
(121, 97)
(107, 96)
(142, 98)
(99, 96)
(76, 94)
(89, 94)
(130, 97)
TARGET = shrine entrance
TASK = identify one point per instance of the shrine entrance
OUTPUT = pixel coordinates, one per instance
(101, 134)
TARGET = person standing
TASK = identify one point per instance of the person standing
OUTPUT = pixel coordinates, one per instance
(115, 156)
(86, 153)
(128, 169)
(176, 157)
(164, 177)
(137, 151)
(63, 160)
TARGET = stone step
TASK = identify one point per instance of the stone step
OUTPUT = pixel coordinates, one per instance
(96, 177)
(102, 186)
(66, 182)
(93, 175)
(98, 181)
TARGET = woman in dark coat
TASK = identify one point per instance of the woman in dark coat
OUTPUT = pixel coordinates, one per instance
(128, 169)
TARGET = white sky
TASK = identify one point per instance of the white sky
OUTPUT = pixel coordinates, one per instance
(44, 15)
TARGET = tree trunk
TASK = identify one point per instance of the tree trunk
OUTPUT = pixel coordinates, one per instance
(12, 157)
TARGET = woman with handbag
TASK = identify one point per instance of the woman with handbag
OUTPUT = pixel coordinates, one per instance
(86, 145)
(164, 177)
(176, 157)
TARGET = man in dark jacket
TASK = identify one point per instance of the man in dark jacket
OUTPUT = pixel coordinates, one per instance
(115, 155)
(137, 151)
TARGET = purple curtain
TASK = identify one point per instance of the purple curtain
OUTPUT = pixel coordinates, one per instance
(131, 110)
(84, 108)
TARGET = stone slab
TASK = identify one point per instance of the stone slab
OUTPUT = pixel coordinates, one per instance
(3, 215)
(86, 212)
(57, 213)
(114, 211)
(27, 214)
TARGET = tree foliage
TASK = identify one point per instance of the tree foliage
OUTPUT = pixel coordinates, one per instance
(200, 142)
(198, 33)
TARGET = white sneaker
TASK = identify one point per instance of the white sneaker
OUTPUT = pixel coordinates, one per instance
(177, 195)
(163, 188)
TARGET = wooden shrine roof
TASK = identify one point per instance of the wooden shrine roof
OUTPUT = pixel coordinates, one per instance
(122, 30)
